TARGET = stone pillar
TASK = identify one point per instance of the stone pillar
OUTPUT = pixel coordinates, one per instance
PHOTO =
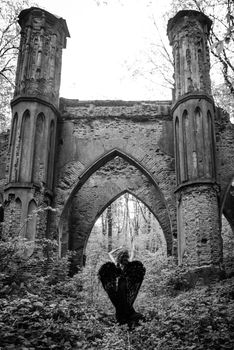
(198, 214)
(34, 123)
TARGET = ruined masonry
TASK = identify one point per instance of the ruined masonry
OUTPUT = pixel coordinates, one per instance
(177, 156)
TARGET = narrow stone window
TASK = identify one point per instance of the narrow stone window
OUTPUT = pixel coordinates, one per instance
(212, 142)
(13, 147)
(25, 148)
(39, 150)
(199, 143)
(50, 165)
(185, 133)
(207, 149)
(177, 140)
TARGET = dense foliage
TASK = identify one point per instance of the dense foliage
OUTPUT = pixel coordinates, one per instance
(53, 311)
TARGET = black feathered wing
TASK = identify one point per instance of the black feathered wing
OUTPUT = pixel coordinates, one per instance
(134, 273)
(108, 275)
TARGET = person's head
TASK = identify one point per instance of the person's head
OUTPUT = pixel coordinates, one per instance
(123, 257)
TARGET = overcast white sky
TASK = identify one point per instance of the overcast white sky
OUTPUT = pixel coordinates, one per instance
(105, 41)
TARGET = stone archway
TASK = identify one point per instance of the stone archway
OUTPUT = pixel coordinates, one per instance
(107, 179)
(228, 203)
(124, 208)
(227, 231)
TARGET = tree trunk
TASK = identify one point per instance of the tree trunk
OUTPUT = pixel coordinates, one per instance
(103, 224)
(109, 224)
(126, 209)
(148, 246)
(136, 218)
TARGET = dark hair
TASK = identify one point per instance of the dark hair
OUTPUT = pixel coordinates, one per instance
(123, 254)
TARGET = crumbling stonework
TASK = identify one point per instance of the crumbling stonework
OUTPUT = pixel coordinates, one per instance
(199, 241)
(104, 186)
(33, 132)
(79, 156)
(43, 36)
(188, 32)
(91, 135)
(198, 212)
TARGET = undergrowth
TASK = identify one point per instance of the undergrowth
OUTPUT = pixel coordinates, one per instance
(53, 311)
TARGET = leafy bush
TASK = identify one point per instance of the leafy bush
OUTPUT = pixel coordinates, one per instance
(200, 319)
(164, 276)
(19, 270)
(53, 311)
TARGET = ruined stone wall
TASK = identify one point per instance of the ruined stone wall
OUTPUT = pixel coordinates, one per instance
(92, 133)
(89, 131)
(198, 209)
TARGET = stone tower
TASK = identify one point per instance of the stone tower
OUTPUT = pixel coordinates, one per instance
(34, 122)
(198, 216)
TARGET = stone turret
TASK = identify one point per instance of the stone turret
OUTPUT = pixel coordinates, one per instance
(199, 237)
(43, 36)
(188, 33)
(34, 123)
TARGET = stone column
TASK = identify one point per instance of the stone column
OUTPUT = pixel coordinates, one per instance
(33, 132)
(198, 212)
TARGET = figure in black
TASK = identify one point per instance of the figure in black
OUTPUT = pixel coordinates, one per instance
(122, 279)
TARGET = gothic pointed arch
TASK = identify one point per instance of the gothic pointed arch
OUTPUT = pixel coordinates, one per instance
(228, 244)
(102, 161)
(227, 203)
(99, 185)
(140, 199)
